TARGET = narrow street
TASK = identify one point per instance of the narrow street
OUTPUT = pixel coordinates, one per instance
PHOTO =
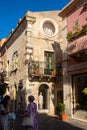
(47, 122)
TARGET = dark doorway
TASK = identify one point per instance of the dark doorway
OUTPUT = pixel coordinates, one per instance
(79, 98)
(44, 89)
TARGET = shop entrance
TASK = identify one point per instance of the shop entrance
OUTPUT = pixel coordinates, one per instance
(79, 98)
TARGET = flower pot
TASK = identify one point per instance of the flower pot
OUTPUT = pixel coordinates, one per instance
(36, 71)
(53, 72)
(63, 117)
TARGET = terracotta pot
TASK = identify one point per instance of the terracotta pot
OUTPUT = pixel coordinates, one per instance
(36, 71)
(54, 72)
(63, 117)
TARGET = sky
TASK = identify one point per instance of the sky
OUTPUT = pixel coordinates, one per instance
(12, 10)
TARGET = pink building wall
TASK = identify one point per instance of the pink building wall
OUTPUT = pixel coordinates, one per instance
(76, 14)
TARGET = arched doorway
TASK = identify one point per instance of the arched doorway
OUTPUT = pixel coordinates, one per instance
(44, 90)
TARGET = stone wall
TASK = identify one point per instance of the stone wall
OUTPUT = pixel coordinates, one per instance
(30, 34)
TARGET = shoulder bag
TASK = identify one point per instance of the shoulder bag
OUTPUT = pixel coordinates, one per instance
(28, 120)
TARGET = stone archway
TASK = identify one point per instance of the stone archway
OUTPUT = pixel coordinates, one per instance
(44, 89)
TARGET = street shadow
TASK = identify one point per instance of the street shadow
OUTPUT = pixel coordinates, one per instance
(47, 122)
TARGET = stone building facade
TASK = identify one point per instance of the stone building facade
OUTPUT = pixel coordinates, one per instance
(32, 60)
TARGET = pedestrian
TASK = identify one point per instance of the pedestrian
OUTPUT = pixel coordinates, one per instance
(40, 101)
(32, 108)
(4, 110)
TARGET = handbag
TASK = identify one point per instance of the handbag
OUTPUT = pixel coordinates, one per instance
(28, 120)
(11, 116)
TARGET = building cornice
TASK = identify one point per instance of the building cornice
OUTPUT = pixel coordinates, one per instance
(71, 5)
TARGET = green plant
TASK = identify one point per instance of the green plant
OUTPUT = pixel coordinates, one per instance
(60, 108)
(84, 91)
(4, 73)
(84, 28)
(76, 32)
(36, 64)
(69, 36)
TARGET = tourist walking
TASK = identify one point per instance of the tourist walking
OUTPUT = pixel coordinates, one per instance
(4, 110)
(32, 108)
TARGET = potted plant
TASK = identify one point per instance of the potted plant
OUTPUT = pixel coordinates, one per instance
(84, 28)
(61, 111)
(69, 36)
(84, 91)
(36, 67)
(53, 72)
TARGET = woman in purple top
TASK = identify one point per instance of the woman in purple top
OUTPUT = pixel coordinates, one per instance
(32, 107)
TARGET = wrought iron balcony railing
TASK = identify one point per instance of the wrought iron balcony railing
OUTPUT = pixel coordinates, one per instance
(42, 68)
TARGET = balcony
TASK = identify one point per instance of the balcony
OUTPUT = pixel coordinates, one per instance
(38, 68)
(77, 33)
(5, 77)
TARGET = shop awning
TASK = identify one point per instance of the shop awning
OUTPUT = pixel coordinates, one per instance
(77, 46)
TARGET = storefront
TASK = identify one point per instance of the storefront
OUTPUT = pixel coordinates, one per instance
(78, 74)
